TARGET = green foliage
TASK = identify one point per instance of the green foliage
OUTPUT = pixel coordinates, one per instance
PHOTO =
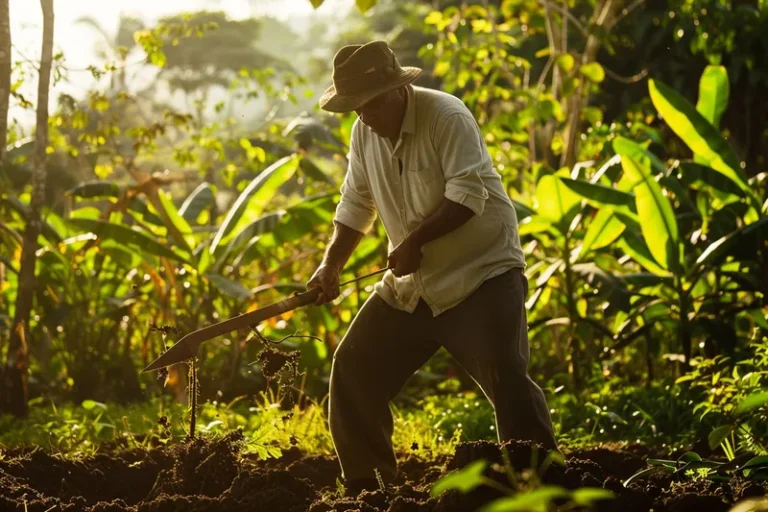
(525, 492)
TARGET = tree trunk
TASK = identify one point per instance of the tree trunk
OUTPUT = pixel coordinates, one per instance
(604, 15)
(5, 75)
(16, 371)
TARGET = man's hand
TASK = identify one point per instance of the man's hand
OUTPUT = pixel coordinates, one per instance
(405, 259)
(327, 279)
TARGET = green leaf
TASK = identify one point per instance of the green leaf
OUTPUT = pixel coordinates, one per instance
(746, 238)
(365, 5)
(535, 499)
(231, 288)
(588, 495)
(689, 457)
(95, 189)
(753, 401)
(603, 230)
(126, 236)
(659, 226)
(636, 248)
(565, 62)
(593, 71)
(179, 222)
(92, 404)
(254, 198)
(698, 134)
(313, 172)
(755, 463)
(200, 199)
(554, 199)
(703, 177)
(599, 194)
(631, 149)
(713, 94)
(464, 480)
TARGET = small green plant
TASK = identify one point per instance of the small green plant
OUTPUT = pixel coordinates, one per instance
(691, 465)
(735, 395)
(526, 491)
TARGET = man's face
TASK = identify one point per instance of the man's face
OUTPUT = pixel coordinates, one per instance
(380, 113)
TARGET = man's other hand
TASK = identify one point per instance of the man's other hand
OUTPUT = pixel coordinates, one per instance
(405, 259)
(327, 279)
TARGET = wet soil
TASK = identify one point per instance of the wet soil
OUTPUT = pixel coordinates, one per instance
(212, 474)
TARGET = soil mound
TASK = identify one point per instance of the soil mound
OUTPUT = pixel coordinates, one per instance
(212, 474)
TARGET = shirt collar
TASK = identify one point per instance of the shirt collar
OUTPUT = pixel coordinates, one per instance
(409, 121)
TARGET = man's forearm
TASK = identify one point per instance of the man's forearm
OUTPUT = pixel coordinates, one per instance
(447, 217)
(343, 242)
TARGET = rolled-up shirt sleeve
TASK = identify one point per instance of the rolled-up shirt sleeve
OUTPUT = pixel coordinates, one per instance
(356, 208)
(461, 149)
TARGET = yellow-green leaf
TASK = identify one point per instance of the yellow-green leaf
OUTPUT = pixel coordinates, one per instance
(565, 62)
(365, 5)
(102, 170)
(604, 229)
(713, 94)
(697, 133)
(593, 71)
(554, 199)
(659, 226)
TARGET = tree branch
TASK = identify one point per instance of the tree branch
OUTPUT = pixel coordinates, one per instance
(624, 13)
(576, 23)
(626, 80)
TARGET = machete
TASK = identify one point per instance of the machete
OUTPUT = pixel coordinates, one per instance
(186, 348)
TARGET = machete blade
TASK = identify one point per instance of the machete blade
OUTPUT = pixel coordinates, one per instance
(186, 347)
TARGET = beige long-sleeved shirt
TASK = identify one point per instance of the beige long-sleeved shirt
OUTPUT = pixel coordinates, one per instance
(440, 153)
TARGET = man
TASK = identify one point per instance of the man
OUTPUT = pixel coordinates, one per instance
(417, 159)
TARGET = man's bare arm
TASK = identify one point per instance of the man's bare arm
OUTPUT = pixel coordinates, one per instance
(343, 242)
(448, 216)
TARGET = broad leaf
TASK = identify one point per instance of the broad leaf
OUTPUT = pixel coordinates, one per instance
(179, 226)
(753, 401)
(200, 199)
(698, 134)
(713, 94)
(95, 189)
(314, 172)
(588, 495)
(748, 238)
(603, 230)
(700, 176)
(537, 499)
(631, 149)
(599, 194)
(252, 201)
(231, 288)
(126, 236)
(554, 199)
(636, 248)
(464, 480)
(659, 226)
(365, 5)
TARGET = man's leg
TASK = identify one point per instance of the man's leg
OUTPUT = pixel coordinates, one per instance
(488, 336)
(383, 347)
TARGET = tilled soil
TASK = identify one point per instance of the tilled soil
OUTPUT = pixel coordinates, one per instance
(206, 475)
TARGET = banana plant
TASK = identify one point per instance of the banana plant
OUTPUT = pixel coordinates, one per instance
(698, 228)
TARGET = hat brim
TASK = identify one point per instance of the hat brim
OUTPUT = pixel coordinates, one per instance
(331, 101)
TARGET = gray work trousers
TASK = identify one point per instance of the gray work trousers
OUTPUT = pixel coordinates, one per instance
(486, 334)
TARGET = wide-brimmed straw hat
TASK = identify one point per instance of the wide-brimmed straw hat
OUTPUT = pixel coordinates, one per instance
(362, 72)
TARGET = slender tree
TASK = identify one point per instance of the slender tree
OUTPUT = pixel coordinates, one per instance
(16, 372)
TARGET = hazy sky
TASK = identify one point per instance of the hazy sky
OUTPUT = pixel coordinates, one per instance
(78, 41)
